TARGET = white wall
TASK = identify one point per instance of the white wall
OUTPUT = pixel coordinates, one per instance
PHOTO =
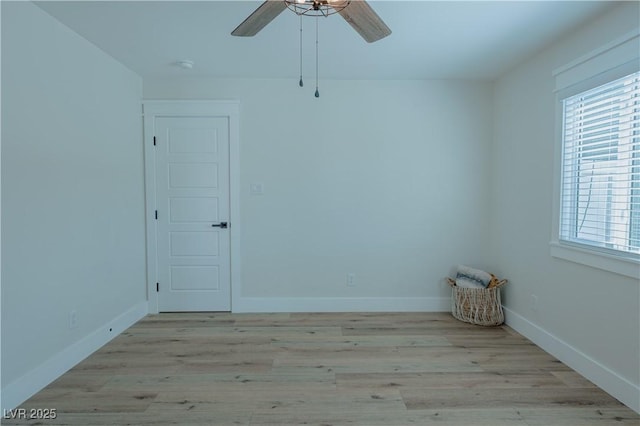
(384, 179)
(586, 316)
(72, 199)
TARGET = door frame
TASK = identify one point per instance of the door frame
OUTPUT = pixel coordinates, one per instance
(152, 109)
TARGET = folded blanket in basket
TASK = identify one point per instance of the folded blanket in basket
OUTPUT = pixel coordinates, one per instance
(472, 278)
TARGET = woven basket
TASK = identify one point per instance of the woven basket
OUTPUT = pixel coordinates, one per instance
(480, 306)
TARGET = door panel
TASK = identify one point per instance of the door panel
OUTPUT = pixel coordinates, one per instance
(192, 193)
(193, 175)
(192, 209)
(195, 278)
(193, 141)
(194, 244)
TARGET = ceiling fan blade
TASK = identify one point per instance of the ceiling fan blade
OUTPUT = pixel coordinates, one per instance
(259, 18)
(365, 21)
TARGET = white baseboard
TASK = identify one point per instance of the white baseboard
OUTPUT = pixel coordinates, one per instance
(341, 304)
(26, 386)
(611, 382)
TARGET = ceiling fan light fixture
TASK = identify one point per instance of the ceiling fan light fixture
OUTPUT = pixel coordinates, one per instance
(316, 7)
(360, 16)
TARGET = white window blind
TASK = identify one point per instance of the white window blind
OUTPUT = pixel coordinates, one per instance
(600, 190)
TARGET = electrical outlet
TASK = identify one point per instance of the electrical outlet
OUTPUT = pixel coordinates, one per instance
(534, 303)
(351, 280)
(73, 320)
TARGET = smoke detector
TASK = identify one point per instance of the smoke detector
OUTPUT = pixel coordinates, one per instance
(185, 64)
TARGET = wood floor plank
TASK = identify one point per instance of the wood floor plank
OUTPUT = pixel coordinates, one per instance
(147, 418)
(80, 381)
(573, 379)
(217, 366)
(70, 401)
(468, 417)
(217, 330)
(388, 365)
(312, 343)
(282, 399)
(251, 382)
(580, 416)
(444, 330)
(472, 341)
(360, 369)
(424, 398)
(492, 417)
(449, 380)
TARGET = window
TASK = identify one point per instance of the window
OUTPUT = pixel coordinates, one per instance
(600, 178)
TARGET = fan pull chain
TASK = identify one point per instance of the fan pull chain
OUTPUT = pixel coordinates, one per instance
(317, 92)
(301, 82)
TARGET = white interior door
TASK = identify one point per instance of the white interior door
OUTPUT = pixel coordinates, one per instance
(192, 198)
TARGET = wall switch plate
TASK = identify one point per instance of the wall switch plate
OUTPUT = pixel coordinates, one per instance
(256, 189)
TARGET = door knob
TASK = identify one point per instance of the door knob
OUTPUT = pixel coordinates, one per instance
(222, 225)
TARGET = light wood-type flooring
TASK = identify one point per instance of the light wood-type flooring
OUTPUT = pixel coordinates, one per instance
(369, 369)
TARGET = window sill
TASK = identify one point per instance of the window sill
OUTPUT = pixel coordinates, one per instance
(628, 267)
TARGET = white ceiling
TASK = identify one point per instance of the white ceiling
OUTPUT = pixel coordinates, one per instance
(430, 39)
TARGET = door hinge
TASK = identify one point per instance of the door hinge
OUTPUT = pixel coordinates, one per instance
(157, 287)
(154, 141)
(156, 214)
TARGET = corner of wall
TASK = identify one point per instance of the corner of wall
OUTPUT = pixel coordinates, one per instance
(33, 381)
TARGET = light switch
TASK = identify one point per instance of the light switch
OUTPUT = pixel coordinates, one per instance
(256, 189)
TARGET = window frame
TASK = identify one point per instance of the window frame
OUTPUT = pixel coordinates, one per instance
(583, 74)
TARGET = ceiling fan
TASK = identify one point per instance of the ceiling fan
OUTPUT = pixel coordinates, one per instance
(357, 13)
